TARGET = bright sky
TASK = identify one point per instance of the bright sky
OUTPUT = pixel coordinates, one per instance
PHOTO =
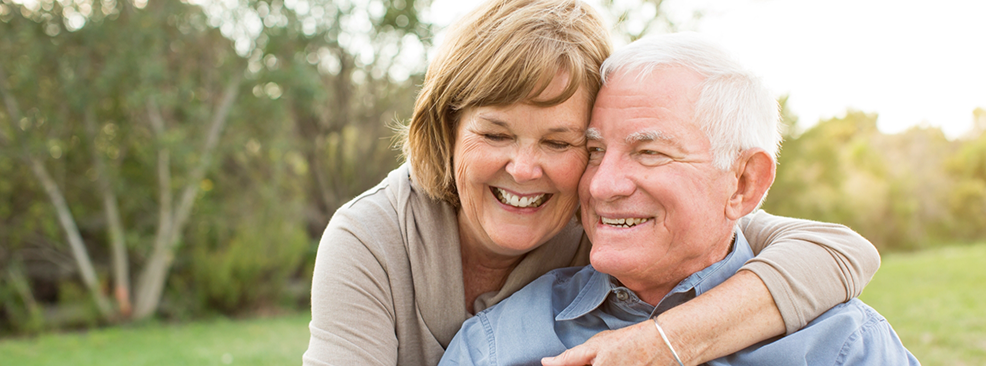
(913, 62)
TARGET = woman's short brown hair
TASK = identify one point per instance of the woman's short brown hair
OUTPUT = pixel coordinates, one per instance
(504, 52)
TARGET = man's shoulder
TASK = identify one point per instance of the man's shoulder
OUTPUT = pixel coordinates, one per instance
(851, 333)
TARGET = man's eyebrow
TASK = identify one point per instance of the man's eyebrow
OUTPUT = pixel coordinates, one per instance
(644, 136)
(593, 134)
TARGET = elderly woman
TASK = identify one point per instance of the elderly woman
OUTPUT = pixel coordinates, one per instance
(487, 202)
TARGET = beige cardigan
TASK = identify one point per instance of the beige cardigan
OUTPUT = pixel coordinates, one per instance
(388, 290)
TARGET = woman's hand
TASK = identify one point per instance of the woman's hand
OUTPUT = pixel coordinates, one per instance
(638, 344)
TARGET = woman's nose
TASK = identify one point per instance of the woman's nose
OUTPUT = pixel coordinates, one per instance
(525, 165)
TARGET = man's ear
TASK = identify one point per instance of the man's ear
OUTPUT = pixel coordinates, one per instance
(754, 171)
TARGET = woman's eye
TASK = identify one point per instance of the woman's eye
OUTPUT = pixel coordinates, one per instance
(558, 145)
(495, 137)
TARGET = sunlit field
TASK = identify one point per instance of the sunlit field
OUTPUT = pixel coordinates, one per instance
(260, 342)
(935, 299)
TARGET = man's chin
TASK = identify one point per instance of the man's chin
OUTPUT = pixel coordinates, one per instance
(607, 261)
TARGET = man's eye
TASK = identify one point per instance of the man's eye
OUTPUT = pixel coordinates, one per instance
(596, 154)
(651, 157)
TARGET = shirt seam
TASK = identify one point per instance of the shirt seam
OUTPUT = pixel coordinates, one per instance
(490, 337)
(870, 322)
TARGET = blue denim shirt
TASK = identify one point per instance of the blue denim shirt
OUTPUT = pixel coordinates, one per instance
(530, 324)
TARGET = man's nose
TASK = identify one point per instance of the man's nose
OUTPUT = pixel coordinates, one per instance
(610, 179)
(525, 164)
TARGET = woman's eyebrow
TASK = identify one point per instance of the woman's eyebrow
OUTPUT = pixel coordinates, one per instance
(567, 130)
(493, 120)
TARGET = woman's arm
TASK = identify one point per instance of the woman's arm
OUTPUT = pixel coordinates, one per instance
(809, 266)
(352, 322)
(803, 268)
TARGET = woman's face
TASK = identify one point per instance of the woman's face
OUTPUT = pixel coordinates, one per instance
(517, 171)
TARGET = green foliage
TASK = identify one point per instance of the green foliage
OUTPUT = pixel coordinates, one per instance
(967, 200)
(19, 307)
(76, 309)
(896, 190)
(251, 267)
(832, 173)
(321, 82)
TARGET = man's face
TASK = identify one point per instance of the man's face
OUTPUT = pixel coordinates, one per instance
(653, 204)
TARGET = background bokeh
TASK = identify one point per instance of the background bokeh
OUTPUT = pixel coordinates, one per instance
(174, 162)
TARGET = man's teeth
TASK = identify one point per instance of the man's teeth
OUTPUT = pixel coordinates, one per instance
(626, 223)
(523, 202)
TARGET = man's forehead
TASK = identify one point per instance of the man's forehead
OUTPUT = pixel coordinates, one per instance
(643, 135)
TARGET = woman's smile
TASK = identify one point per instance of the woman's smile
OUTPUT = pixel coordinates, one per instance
(519, 200)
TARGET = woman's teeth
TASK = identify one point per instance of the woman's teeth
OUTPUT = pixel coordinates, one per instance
(523, 202)
(626, 223)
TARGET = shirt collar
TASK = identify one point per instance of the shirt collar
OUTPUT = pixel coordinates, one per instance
(599, 285)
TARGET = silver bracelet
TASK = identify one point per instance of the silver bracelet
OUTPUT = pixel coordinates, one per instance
(667, 342)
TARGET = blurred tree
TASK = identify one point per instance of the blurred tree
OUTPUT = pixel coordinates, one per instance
(119, 69)
(833, 173)
(353, 68)
(29, 133)
(967, 166)
(632, 19)
(978, 123)
(134, 98)
(893, 189)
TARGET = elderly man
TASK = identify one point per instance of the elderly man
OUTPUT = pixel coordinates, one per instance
(682, 144)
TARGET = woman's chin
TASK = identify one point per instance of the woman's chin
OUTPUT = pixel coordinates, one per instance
(517, 245)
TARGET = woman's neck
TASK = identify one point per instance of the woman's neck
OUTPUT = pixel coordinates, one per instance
(483, 270)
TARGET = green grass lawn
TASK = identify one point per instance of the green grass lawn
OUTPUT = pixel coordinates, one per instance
(274, 341)
(936, 301)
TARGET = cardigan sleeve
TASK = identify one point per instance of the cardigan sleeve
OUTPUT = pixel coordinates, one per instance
(353, 318)
(807, 266)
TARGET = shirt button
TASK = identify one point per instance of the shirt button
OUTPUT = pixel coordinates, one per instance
(622, 295)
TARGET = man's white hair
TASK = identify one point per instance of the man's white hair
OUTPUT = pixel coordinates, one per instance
(735, 108)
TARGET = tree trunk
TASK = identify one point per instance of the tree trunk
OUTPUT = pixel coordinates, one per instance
(121, 268)
(155, 273)
(61, 208)
(74, 238)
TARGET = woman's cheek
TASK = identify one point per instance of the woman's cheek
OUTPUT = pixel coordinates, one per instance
(572, 167)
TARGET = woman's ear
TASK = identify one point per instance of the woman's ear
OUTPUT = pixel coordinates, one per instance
(754, 171)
